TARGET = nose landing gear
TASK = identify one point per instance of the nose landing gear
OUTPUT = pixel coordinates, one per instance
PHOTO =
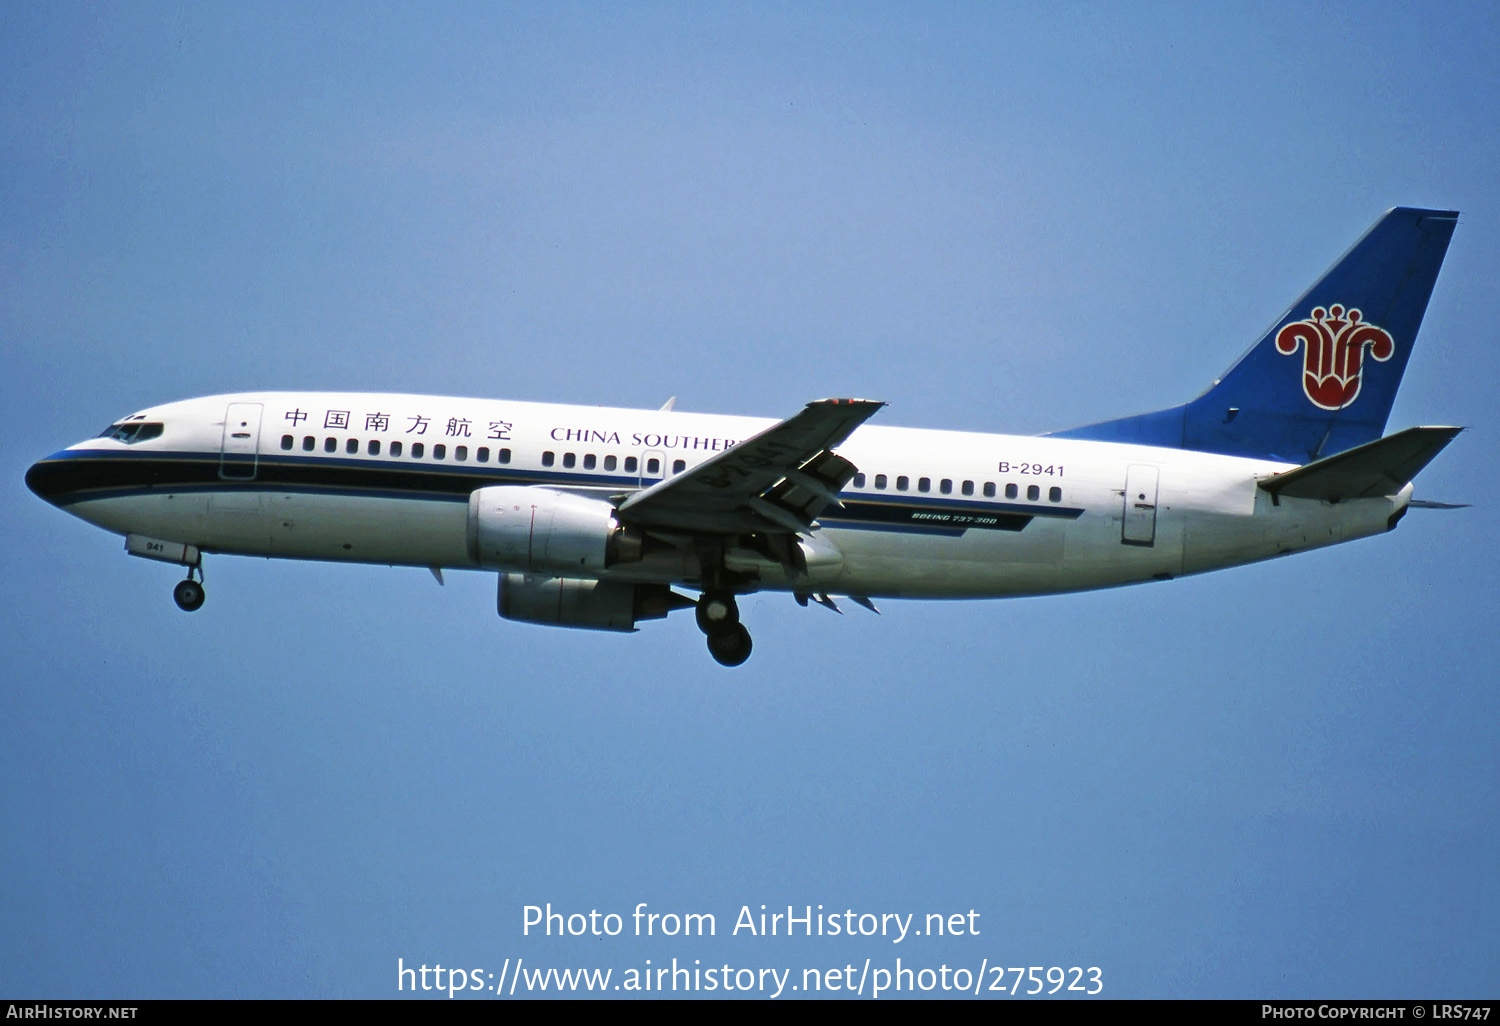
(189, 594)
(719, 618)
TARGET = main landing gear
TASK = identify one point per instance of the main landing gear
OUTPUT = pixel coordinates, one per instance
(719, 619)
(189, 594)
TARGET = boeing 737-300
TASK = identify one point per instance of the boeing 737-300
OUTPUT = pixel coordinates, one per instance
(595, 517)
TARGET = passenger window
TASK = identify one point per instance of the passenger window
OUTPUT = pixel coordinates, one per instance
(630, 464)
(504, 456)
(880, 481)
(286, 441)
(309, 443)
(903, 483)
(548, 459)
(461, 452)
(395, 448)
(1011, 491)
(569, 459)
(924, 484)
(374, 447)
(609, 463)
(989, 489)
(417, 448)
(483, 454)
(945, 486)
(968, 488)
(859, 480)
(1033, 492)
(330, 445)
(352, 447)
(440, 451)
(589, 461)
(653, 466)
(678, 466)
(1054, 495)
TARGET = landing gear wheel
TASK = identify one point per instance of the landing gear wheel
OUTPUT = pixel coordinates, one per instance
(717, 612)
(189, 595)
(730, 647)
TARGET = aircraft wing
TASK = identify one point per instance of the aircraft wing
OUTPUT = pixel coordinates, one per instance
(779, 480)
(1381, 467)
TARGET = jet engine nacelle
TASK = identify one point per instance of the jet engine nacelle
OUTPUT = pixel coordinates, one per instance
(586, 603)
(539, 530)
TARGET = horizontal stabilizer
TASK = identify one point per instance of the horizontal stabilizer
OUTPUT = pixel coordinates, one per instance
(1381, 467)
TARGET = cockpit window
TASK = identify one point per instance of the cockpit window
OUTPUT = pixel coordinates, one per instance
(132, 432)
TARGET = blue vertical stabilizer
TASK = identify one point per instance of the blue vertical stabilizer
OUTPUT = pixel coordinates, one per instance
(1323, 379)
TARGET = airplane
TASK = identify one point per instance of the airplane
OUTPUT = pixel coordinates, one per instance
(594, 517)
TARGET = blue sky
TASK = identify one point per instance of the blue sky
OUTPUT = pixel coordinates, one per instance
(1273, 781)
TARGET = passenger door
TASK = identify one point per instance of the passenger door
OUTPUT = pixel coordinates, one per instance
(1139, 524)
(239, 452)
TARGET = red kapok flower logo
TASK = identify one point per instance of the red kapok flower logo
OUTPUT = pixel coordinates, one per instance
(1335, 345)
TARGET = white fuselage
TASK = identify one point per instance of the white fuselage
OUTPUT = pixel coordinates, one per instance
(385, 478)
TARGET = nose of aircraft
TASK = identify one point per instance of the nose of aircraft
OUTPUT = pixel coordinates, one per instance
(49, 479)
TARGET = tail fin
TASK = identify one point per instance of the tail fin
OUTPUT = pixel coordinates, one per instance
(1323, 379)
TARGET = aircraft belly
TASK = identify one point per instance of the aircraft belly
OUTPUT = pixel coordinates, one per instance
(1045, 558)
(294, 526)
(1275, 529)
(367, 529)
(1312, 524)
(173, 516)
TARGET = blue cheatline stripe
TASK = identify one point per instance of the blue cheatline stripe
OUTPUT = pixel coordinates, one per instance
(87, 475)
